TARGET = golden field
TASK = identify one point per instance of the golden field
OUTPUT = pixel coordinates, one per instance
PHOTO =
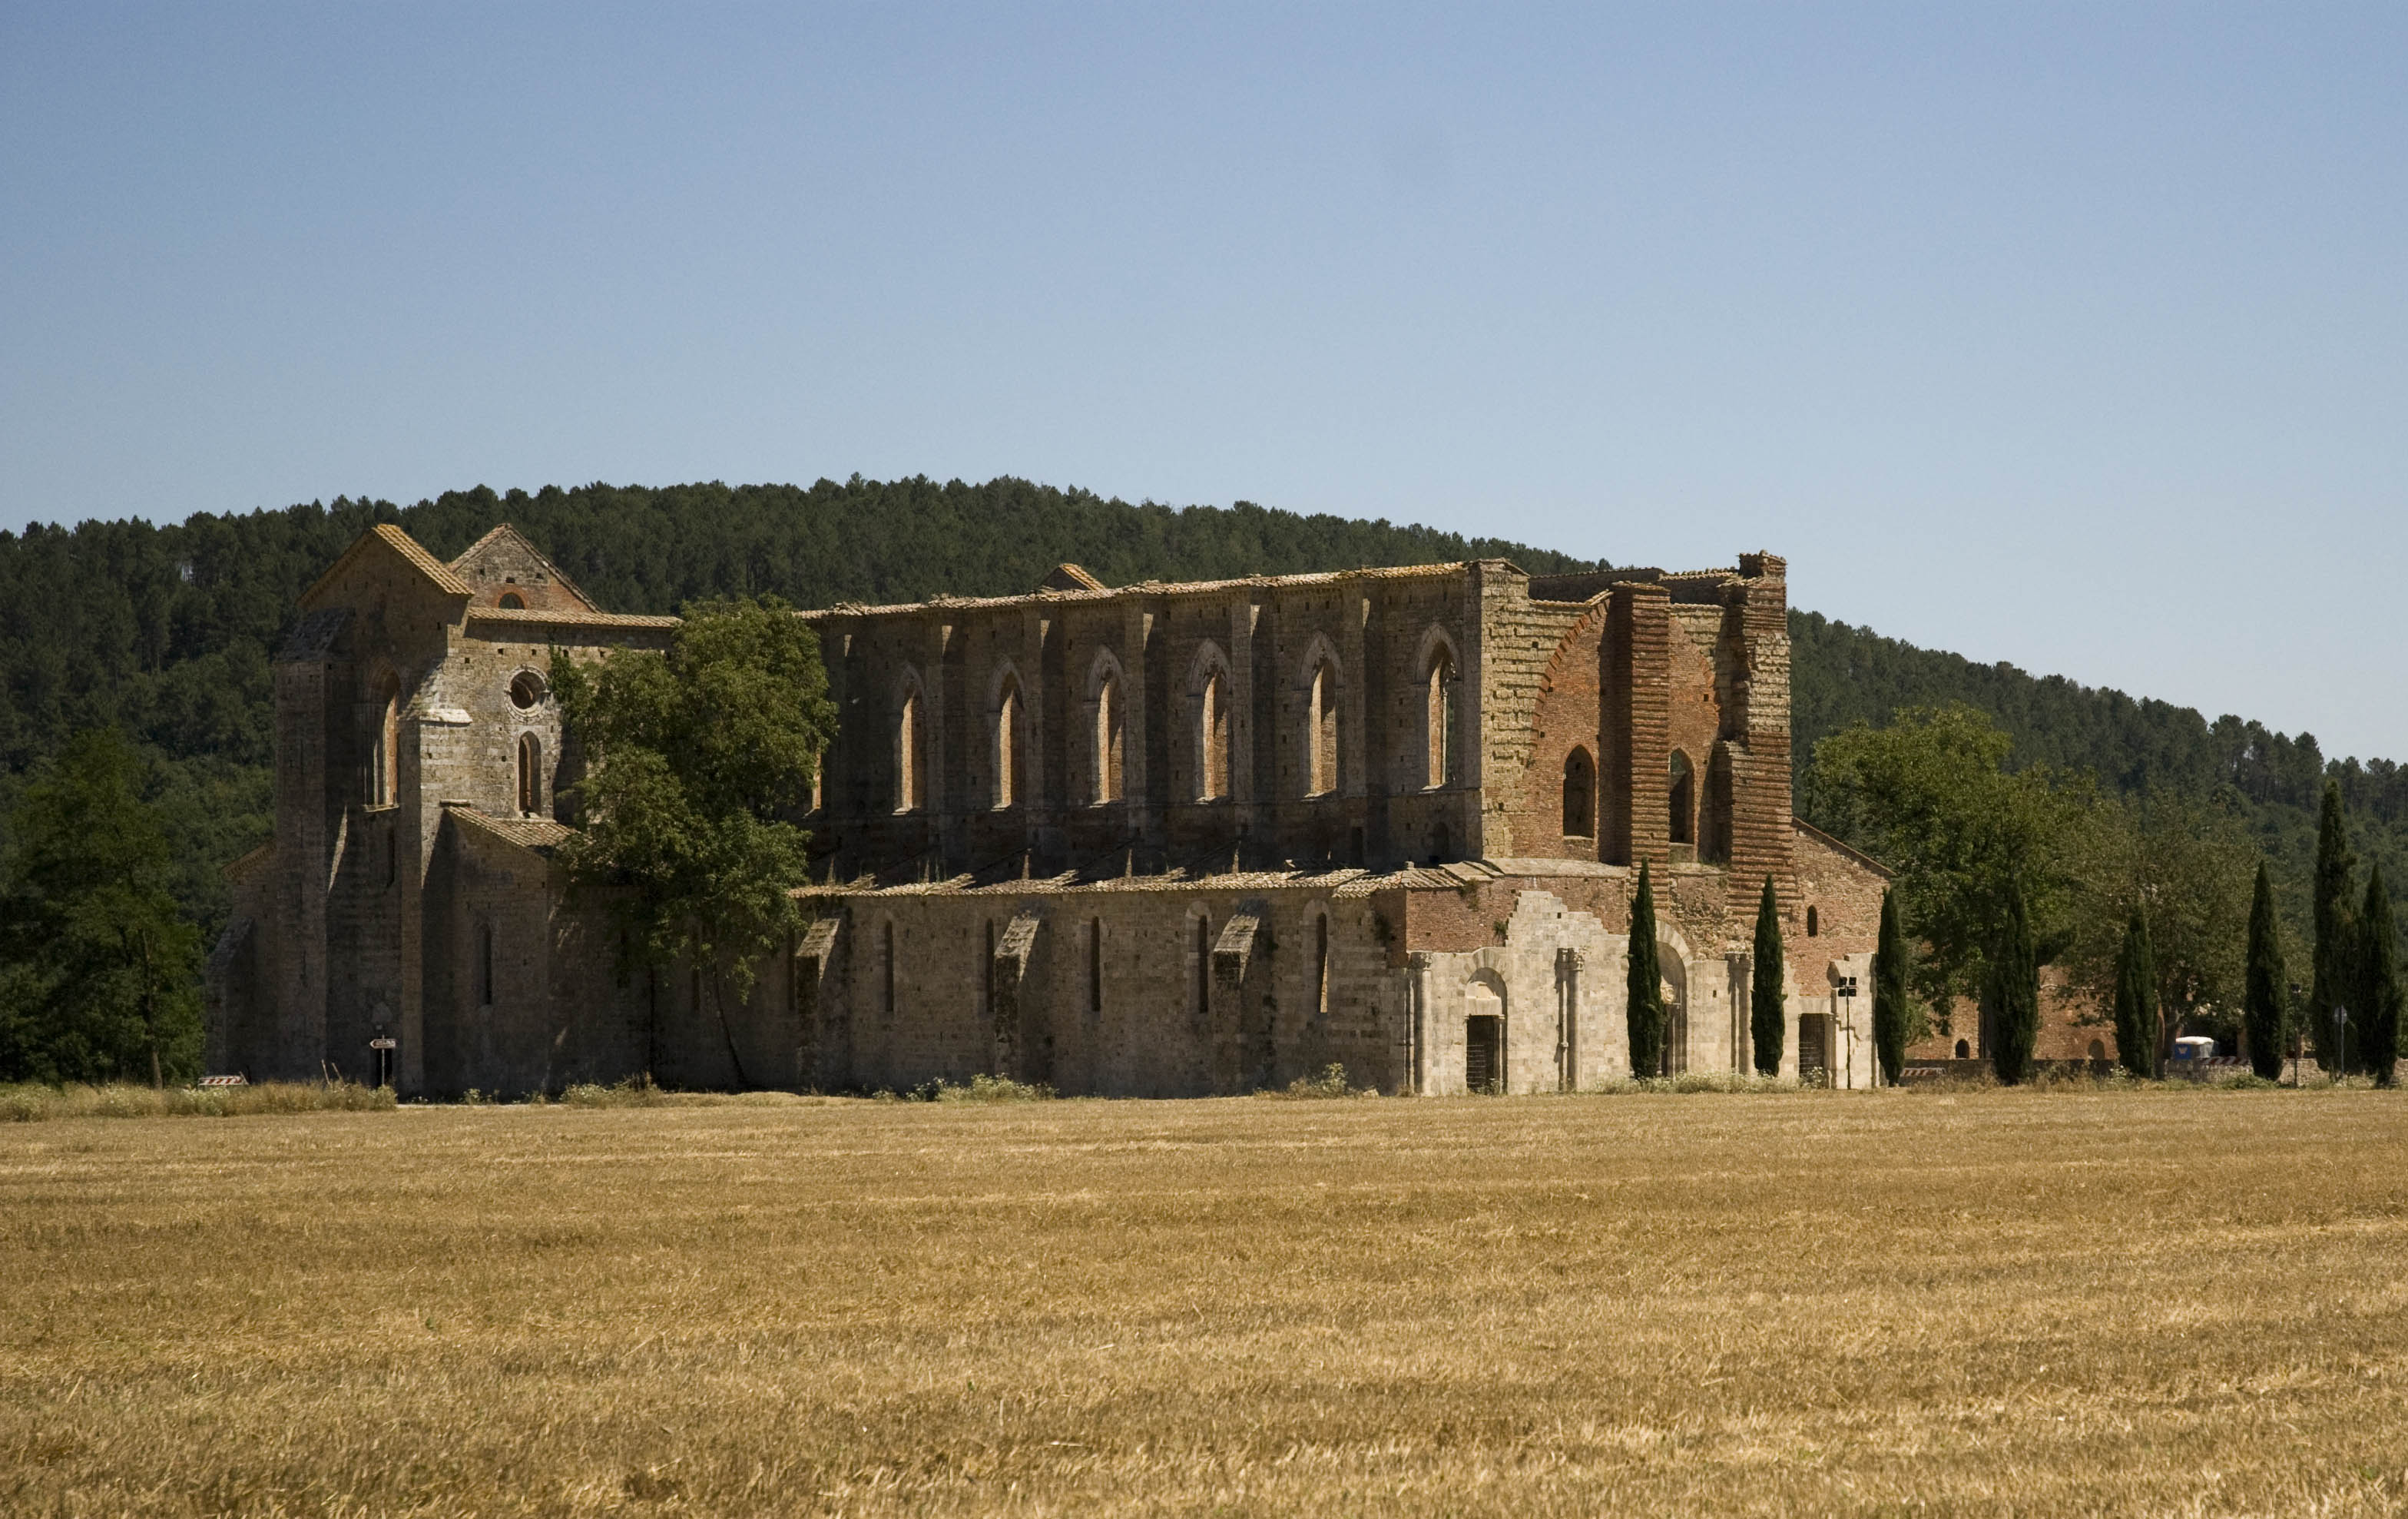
(1984, 1302)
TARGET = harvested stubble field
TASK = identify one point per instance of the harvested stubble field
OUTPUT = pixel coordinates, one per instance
(2164, 1302)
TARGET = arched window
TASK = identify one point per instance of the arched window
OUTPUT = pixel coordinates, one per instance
(1715, 822)
(1814, 922)
(385, 764)
(908, 779)
(818, 782)
(1108, 755)
(530, 774)
(1212, 739)
(1006, 744)
(1964, 1049)
(1579, 795)
(1437, 738)
(513, 602)
(1320, 730)
(1684, 801)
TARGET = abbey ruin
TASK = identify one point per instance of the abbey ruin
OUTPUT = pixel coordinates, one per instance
(1145, 840)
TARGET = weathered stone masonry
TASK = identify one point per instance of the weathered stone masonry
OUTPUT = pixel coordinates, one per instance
(1150, 840)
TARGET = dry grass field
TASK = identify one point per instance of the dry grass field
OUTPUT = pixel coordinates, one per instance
(2178, 1302)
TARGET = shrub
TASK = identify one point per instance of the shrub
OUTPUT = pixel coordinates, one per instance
(1331, 1082)
(993, 1089)
(32, 1102)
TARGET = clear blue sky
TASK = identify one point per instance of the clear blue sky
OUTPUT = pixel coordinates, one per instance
(2069, 336)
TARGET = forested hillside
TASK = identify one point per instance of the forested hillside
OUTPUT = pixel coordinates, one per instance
(167, 631)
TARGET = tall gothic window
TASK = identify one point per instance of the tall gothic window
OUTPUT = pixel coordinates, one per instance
(1684, 801)
(1439, 736)
(1212, 739)
(1320, 730)
(1579, 795)
(1715, 823)
(1107, 756)
(530, 774)
(385, 765)
(908, 779)
(1007, 744)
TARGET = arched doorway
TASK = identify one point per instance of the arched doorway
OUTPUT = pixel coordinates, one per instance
(1484, 1037)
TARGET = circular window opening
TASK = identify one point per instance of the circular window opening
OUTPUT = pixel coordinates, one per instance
(526, 691)
(512, 601)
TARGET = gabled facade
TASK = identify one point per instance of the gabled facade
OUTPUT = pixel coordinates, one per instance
(1152, 839)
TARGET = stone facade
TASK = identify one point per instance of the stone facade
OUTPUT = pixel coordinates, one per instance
(1152, 840)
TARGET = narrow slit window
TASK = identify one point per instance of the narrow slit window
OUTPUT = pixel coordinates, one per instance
(1094, 965)
(887, 955)
(1203, 966)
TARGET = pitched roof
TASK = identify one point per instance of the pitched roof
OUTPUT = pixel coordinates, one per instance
(506, 534)
(387, 538)
(536, 833)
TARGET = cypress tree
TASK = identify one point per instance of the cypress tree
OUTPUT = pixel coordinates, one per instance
(2264, 1017)
(2377, 1008)
(1766, 990)
(2331, 986)
(2136, 1023)
(2014, 994)
(1647, 986)
(1889, 992)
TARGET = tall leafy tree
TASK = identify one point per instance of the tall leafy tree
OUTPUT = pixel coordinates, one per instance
(1767, 990)
(2012, 1005)
(1929, 796)
(2184, 865)
(2377, 1007)
(2336, 936)
(1892, 1009)
(101, 973)
(2265, 1005)
(698, 760)
(2136, 999)
(1645, 986)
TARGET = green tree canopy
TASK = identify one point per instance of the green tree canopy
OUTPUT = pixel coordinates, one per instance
(1928, 796)
(697, 760)
(2378, 982)
(1893, 1005)
(2333, 916)
(98, 973)
(1767, 993)
(2136, 1000)
(1645, 987)
(2010, 1006)
(2266, 1003)
(2185, 865)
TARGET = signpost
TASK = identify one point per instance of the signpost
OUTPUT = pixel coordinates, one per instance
(384, 1045)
